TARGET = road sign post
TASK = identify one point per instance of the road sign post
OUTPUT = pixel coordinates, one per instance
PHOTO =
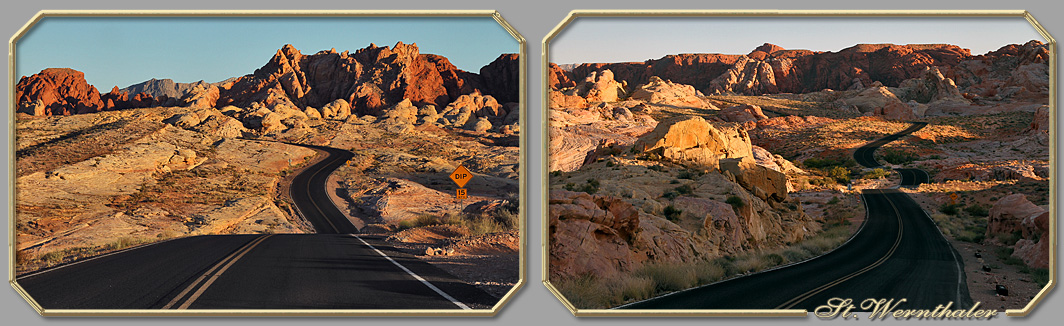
(461, 176)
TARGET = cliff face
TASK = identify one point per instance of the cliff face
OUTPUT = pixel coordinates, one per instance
(371, 80)
(769, 69)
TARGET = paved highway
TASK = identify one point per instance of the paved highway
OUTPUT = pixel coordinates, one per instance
(897, 253)
(333, 269)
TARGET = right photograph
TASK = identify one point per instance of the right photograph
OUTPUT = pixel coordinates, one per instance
(786, 163)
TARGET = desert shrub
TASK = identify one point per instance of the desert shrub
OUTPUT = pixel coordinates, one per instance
(585, 291)
(668, 277)
(1040, 276)
(877, 173)
(1009, 239)
(636, 288)
(833, 201)
(977, 210)
(822, 181)
(688, 174)
(823, 163)
(670, 195)
(840, 174)
(685, 189)
(735, 201)
(894, 156)
(123, 242)
(672, 213)
(949, 209)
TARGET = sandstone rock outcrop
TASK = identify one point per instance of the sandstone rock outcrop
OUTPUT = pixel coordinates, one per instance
(1008, 213)
(762, 181)
(1041, 120)
(742, 113)
(502, 78)
(691, 140)
(660, 91)
(61, 91)
(1015, 214)
(561, 100)
(558, 78)
(1033, 248)
(599, 86)
(201, 96)
(600, 235)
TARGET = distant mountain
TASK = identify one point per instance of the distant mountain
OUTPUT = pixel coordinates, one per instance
(568, 66)
(158, 87)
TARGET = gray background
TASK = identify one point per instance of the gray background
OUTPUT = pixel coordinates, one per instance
(533, 305)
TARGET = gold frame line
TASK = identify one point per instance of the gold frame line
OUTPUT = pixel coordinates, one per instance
(522, 161)
(545, 115)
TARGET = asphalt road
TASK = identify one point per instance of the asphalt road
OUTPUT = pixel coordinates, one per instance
(897, 253)
(334, 269)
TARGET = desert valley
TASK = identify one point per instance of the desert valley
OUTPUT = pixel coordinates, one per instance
(160, 160)
(691, 169)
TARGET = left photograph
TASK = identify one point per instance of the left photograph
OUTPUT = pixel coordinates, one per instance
(334, 163)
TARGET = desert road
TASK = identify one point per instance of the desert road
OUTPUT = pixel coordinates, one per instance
(333, 269)
(898, 253)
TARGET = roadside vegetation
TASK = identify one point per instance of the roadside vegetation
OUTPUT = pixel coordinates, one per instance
(654, 279)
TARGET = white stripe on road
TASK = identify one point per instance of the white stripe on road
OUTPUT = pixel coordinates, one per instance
(419, 278)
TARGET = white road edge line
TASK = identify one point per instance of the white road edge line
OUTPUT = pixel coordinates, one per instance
(95, 258)
(418, 277)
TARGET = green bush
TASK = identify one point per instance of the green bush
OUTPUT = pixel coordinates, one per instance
(893, 156)
(672, 213)
(685, 189)
(977, 210)
(840, 174)
(735, 201)
(817, 163)
(877, 173)
(670, 195)
(949, 209)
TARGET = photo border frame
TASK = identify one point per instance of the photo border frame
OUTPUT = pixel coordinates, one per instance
(522, 160)
(545, 115)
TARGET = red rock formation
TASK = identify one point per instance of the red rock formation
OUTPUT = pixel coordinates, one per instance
(502, 78)
(62, 91)
(771, 69)
(371, 79)
(1035, 253)
(117, 99)
(1008, 213)
(558, 78)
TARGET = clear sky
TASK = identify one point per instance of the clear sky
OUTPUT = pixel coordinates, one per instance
(128, 50)
(617, 39)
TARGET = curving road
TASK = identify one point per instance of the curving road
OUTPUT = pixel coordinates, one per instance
(898, 253)
(333, 269)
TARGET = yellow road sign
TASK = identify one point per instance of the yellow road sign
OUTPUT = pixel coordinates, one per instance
(461, 176)
(461, 194)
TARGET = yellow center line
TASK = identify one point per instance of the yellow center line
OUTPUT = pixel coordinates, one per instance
(320, 212)
(897, 241)
(228, 261)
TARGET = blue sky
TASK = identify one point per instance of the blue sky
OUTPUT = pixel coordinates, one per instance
(128, 50)
(617, 39)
